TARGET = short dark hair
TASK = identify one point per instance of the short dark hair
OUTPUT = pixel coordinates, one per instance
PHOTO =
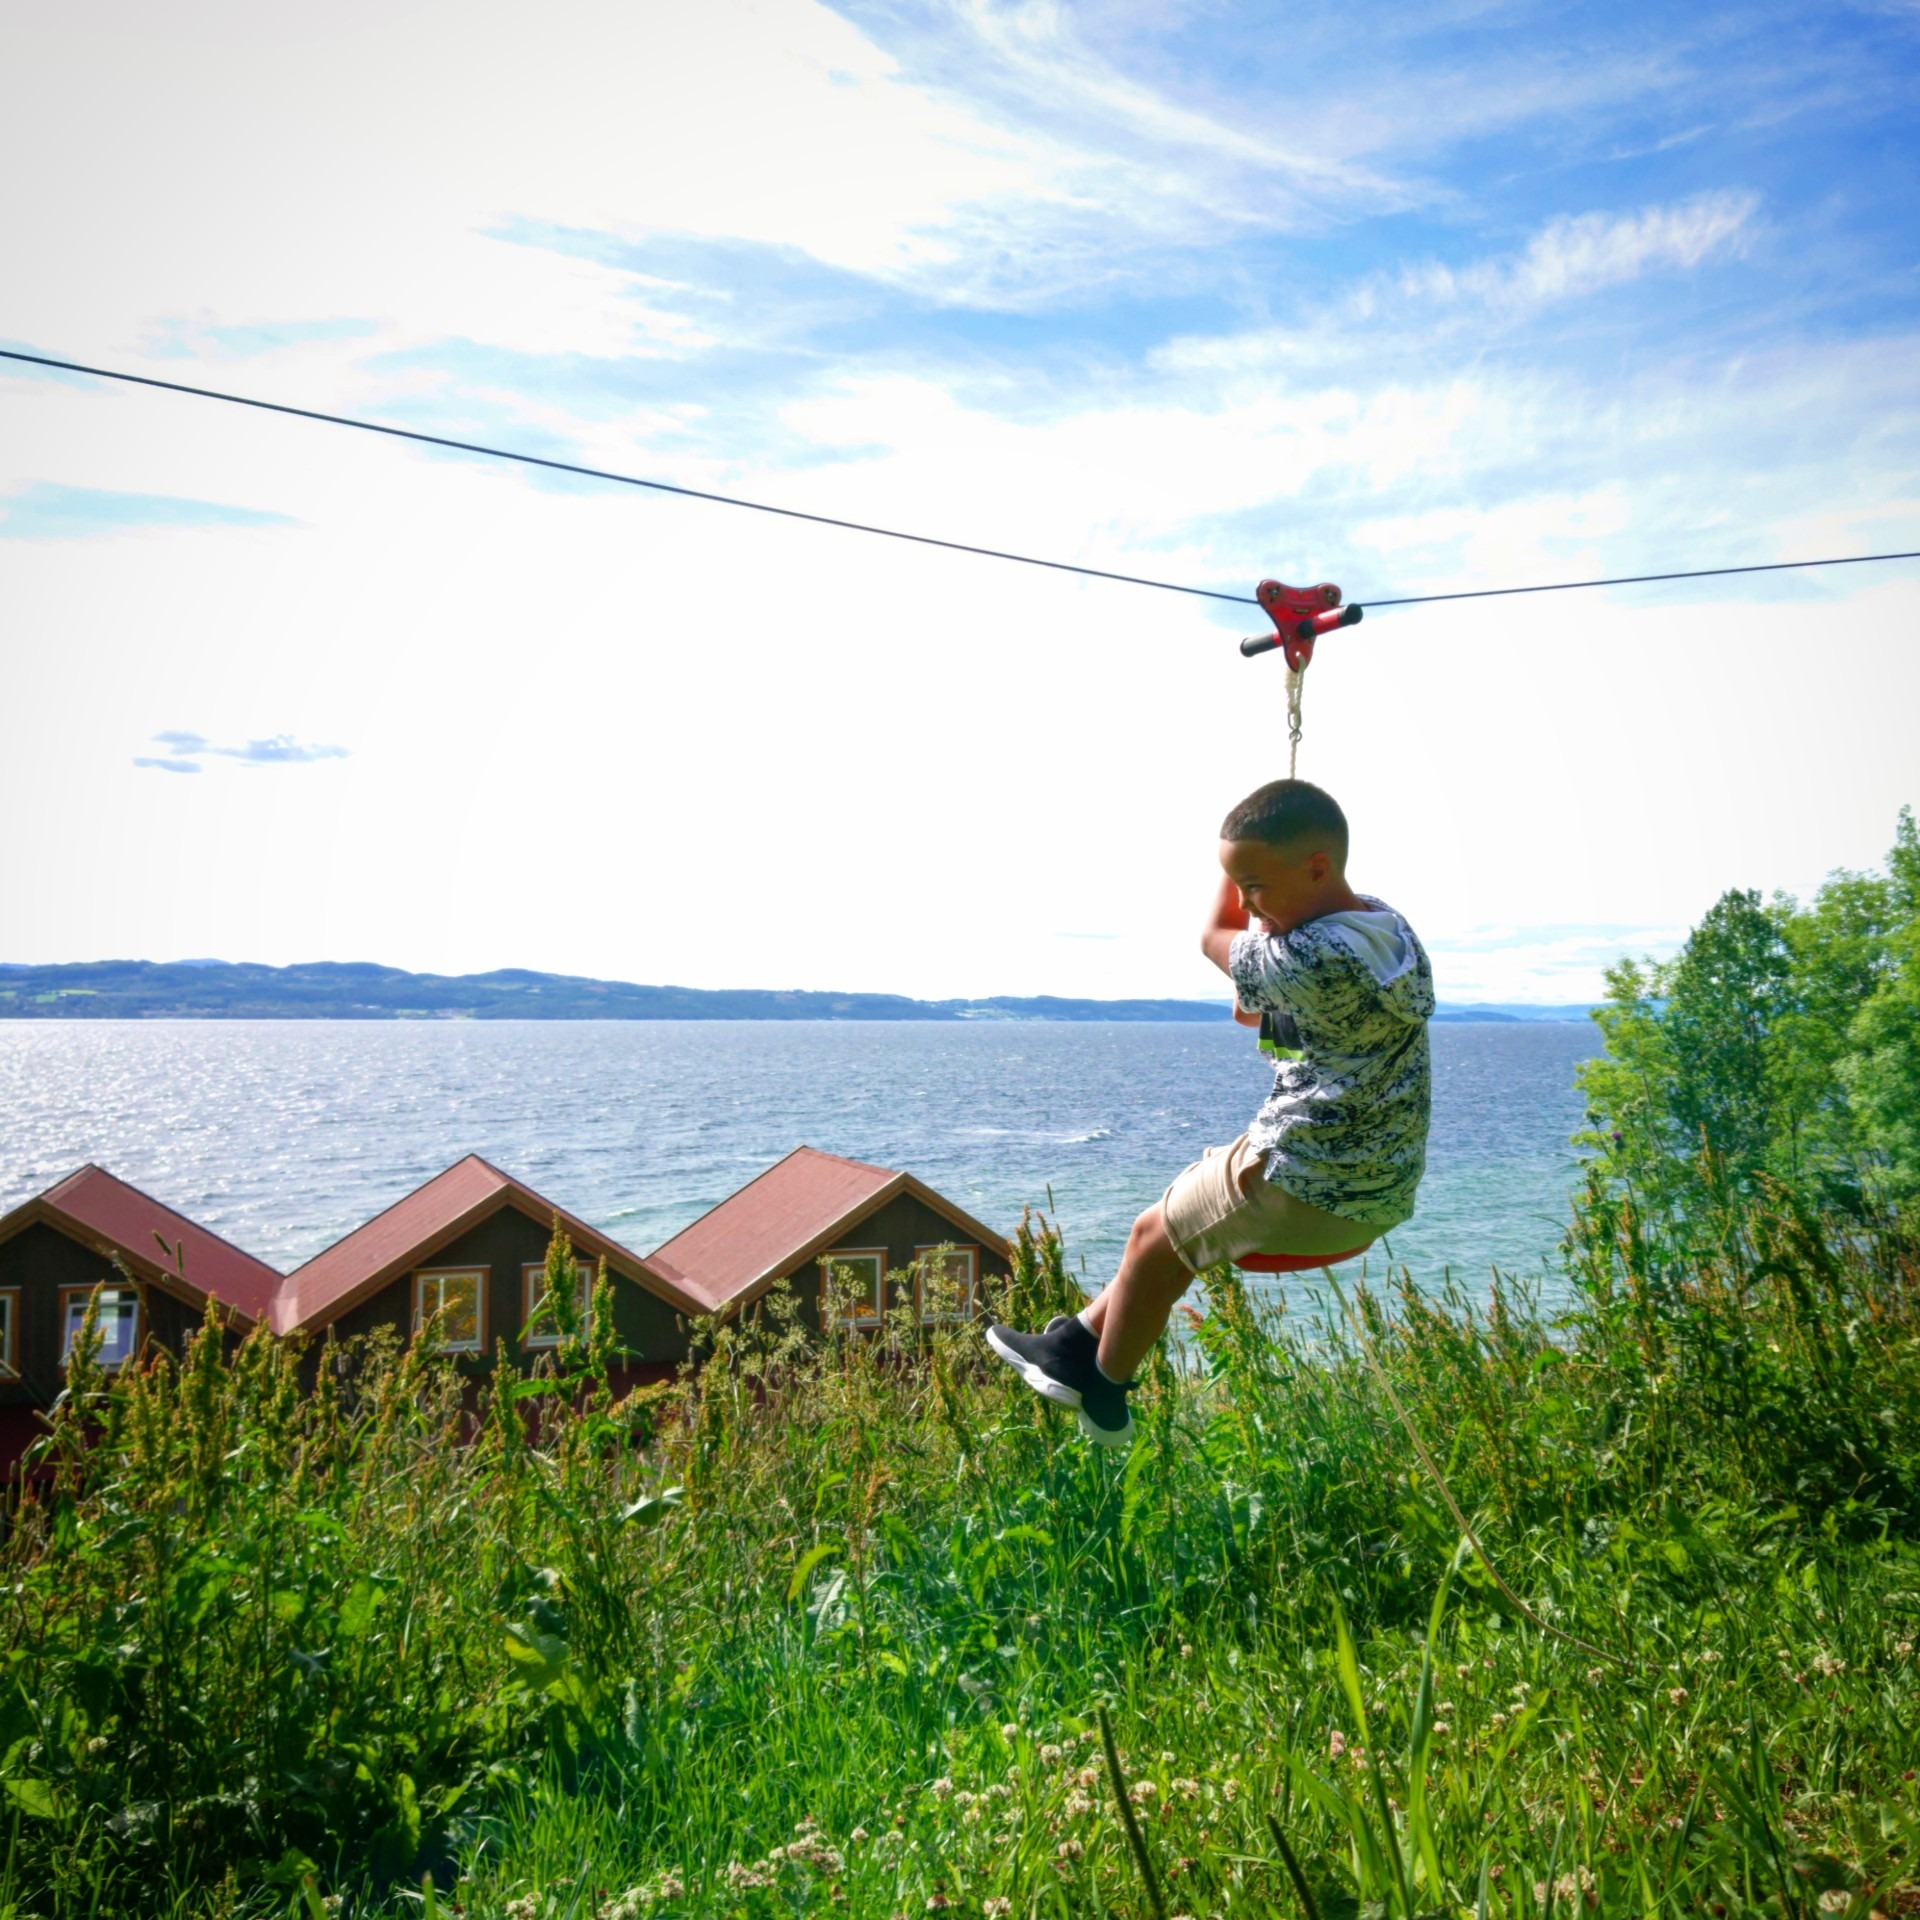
(1284, 811)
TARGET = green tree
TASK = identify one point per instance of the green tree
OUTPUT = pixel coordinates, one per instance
(1781, 1039)
(1881, 1069)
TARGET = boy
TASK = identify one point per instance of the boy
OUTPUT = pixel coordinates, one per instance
(1332, 1159)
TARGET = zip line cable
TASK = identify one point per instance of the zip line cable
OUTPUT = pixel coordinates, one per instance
(891, 533)
(620, 479)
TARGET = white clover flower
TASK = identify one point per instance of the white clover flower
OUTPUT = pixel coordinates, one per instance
(1678, 1696)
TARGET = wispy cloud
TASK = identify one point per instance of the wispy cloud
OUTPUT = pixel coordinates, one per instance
(1583, 253)
(190, 750)
(45, 510)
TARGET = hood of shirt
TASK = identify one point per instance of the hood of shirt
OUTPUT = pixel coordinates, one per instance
(1385, 945)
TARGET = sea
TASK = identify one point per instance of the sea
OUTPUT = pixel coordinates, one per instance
(282, 1134)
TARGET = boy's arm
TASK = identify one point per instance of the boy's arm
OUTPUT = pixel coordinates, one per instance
(1227, 918)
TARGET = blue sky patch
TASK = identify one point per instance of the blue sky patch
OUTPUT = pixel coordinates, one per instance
(45, 510)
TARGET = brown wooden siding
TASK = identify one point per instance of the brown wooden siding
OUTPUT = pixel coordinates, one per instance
(40, 1260)
(903, 1226)
(504, 1243)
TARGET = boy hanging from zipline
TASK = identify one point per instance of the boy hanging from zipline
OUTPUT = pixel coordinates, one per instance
(1331, 1160)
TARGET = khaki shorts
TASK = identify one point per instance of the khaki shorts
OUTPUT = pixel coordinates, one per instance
(1223, 1206)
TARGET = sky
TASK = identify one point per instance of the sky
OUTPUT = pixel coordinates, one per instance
(1413, 298)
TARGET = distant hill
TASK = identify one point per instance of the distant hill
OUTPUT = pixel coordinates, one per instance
(359, 990)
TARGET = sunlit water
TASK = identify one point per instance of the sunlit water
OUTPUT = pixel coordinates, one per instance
(282, 1135)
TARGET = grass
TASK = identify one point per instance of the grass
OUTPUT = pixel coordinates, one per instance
(835, 1628)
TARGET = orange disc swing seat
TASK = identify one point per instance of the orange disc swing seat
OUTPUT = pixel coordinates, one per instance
(1295, 1262)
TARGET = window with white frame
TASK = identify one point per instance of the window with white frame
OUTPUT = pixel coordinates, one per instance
(851, 1279)
(116, 1322)
(949, 1279)
(9, 1333)
(457, 1295)
(545, 1332)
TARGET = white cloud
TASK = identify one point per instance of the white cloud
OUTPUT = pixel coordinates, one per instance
(1583, 253)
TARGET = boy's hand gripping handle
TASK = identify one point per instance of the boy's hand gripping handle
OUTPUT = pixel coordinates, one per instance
(1300, 616)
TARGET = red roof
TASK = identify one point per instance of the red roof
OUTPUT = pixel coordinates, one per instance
(798, 1206)
(104, 1212)
(413, 1229)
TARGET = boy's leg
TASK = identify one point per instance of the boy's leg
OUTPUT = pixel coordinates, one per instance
(1132, 1312)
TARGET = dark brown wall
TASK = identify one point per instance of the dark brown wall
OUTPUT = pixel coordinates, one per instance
(504, 1242)
(40, 1260)
(902, 1226)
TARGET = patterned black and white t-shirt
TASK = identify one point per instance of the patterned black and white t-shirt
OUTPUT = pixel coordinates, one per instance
(1345, 1127)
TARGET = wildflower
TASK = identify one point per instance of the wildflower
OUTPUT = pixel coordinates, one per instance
(1710, 1657)
(1336, 1744)
(1186, 1649)
(527, 1907)
(98, 1744)
(1077, 1804)
(1904, 1649)
(810, 1853)
(1835, 1900)
(996, 1907)
(746, 1877)
(1141, 1792)
(1187, 1789)
(1826, 1666)
(1166, 1759)
(1231, 1789)
(1087, 1776)
(1446, 1706)
(941, 1787)
(998, 1791)
(1069, 1850)
(1569, 1886)
(856, 1836)
(971, 1818)
(937, 1902)
(1011, 1731)
(1051, 1756)
(1595, 1675)
(964, 1799)
(1499, 1719)
(1441, 1728)
(1677, 1696)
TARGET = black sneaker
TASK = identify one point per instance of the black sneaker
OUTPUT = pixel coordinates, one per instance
(1059, 1364)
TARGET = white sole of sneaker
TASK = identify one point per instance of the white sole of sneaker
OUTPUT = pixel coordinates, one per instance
(1107, 1437)
(1042, 1382)
(1048, 1388)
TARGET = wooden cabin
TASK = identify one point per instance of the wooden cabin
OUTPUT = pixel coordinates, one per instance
(471, 1247)
(830, 1226)
(156, 1269)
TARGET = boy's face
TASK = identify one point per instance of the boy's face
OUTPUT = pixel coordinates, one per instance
(1281, 885)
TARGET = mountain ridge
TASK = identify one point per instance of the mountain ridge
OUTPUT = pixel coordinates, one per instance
(202, 989)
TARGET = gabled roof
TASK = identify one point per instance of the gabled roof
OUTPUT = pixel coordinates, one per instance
(103, 1212)
(412, 1230)
(799, 1207)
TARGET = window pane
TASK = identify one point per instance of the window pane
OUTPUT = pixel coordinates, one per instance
(545, 1332)
(853, 1284)
(460, 1310)
(947, 1284)
(116, 1319)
